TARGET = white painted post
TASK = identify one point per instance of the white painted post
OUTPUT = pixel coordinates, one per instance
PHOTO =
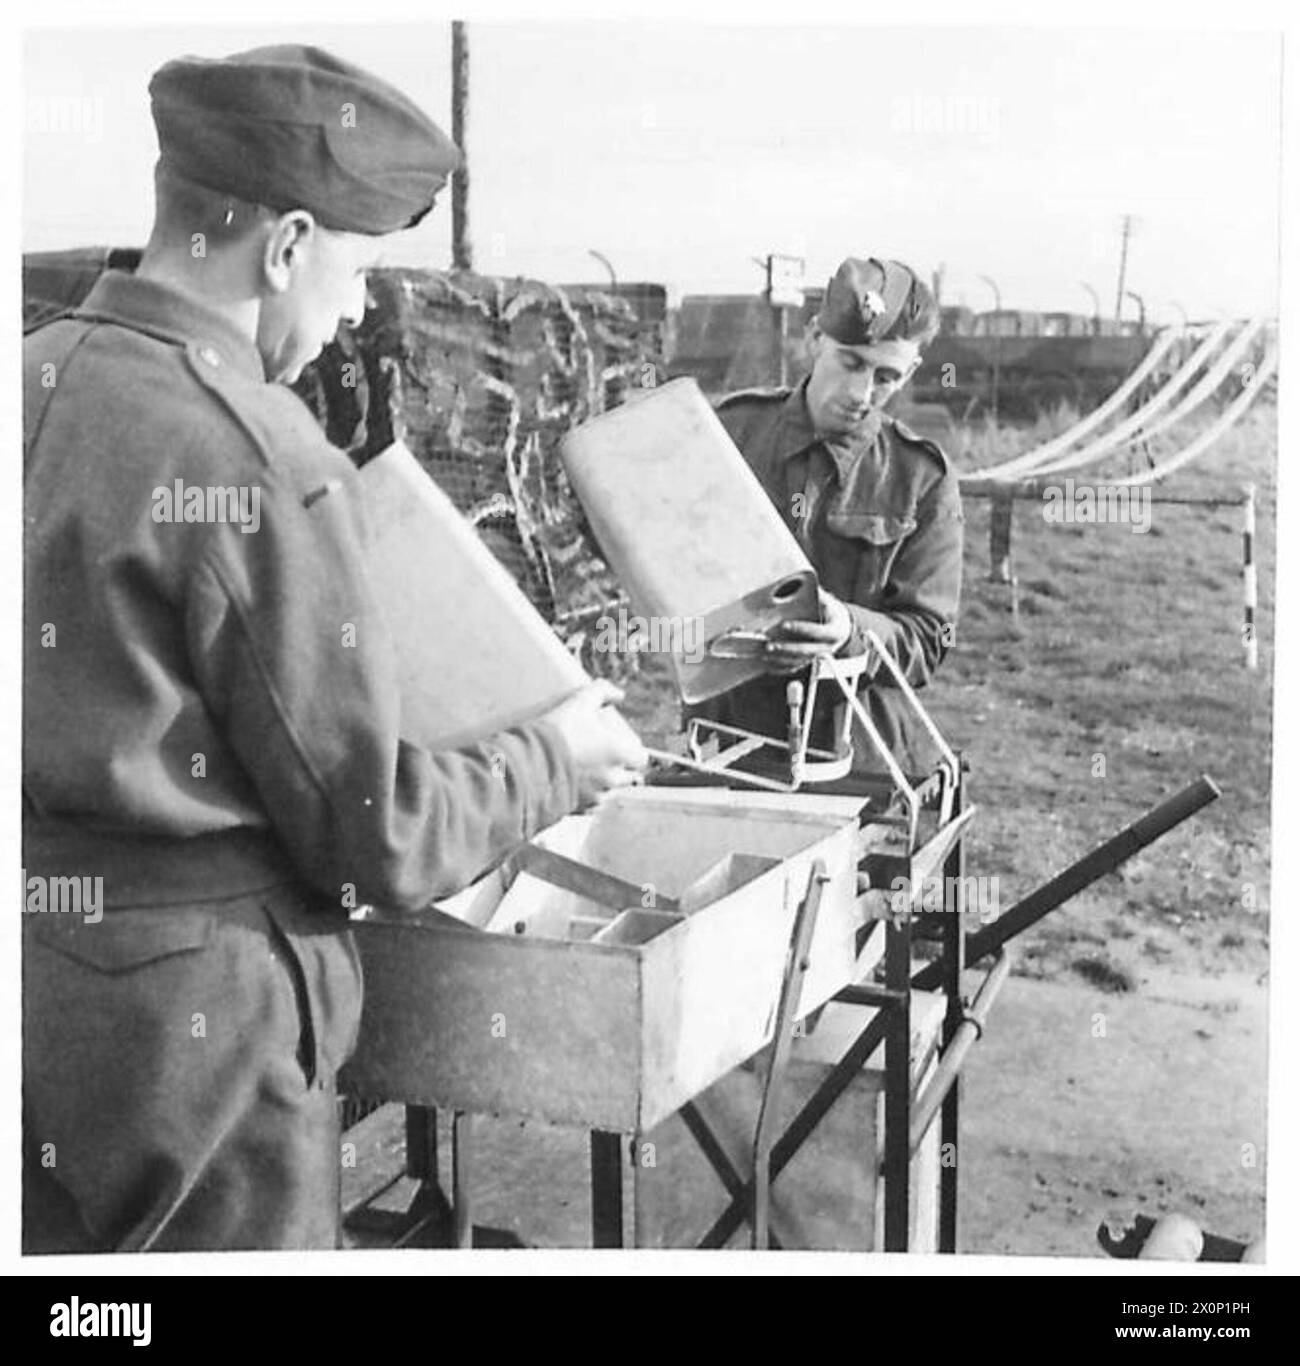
(1249, 585)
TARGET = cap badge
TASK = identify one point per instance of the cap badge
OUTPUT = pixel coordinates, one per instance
(873, 306)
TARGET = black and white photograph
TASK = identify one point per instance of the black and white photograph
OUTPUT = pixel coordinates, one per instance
(648, 633)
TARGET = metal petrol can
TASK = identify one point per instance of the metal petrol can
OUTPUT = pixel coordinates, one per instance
(706, 560)
(473, 655)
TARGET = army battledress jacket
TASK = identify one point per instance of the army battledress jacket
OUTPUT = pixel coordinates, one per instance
(880, 520)
(211, 727)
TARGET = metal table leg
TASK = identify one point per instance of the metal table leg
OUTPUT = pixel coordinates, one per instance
(606, 1189)
(954, 954)
(422, 1143)
(461, 1197)
(898, 1087)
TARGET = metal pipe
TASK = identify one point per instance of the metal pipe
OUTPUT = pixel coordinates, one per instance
(1047, 475)
(1213, 432)
(1031, 459)
(966, 1035)
(1029, 490)
(947, 757)
(1192, 399)
(1105, 858)
(1140, 424)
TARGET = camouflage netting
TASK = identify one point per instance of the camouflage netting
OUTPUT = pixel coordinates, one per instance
(482, 377)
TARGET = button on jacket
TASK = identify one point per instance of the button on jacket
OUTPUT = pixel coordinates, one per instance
(880, 520)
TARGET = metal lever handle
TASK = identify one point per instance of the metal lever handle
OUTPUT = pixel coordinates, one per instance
(738, 644)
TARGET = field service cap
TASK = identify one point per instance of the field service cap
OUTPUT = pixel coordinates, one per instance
(866, 301)
(293, 127)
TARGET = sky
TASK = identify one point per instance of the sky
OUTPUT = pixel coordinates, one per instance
(681, 151)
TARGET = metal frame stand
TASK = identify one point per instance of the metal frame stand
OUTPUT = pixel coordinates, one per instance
(908, 1117)
(944, 795)
(892, 1026)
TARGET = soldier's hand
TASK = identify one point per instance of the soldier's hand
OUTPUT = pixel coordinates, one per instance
(795, 644)
(605, 749)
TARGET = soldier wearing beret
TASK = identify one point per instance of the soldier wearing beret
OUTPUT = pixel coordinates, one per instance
(875, 506)
(219, 774)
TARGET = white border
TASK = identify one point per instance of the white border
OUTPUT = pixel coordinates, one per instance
(240, 15)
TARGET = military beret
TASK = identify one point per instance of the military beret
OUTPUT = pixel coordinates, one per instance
(293, 127)
(870, 301)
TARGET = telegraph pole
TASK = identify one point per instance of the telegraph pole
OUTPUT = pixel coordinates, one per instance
(1125, 232)
(462, 255)
(997, 340)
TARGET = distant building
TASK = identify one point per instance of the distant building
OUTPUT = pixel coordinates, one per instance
(729, 341)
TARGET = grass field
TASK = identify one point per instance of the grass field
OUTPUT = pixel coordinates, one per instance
(1122, 678)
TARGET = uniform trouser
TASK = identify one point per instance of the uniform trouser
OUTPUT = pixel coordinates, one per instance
(179, 1070)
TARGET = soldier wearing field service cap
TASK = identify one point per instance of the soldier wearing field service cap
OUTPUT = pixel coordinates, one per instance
(212, 728)
(875, 506)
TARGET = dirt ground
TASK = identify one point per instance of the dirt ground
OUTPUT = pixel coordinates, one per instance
(1166, 1111)
(1124, 1069)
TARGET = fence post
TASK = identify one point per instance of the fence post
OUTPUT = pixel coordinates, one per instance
(1248, 577)
(1001, 508)
(1000, 511)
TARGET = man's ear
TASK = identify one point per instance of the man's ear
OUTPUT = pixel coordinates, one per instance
(812, 340)
(287, 242)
